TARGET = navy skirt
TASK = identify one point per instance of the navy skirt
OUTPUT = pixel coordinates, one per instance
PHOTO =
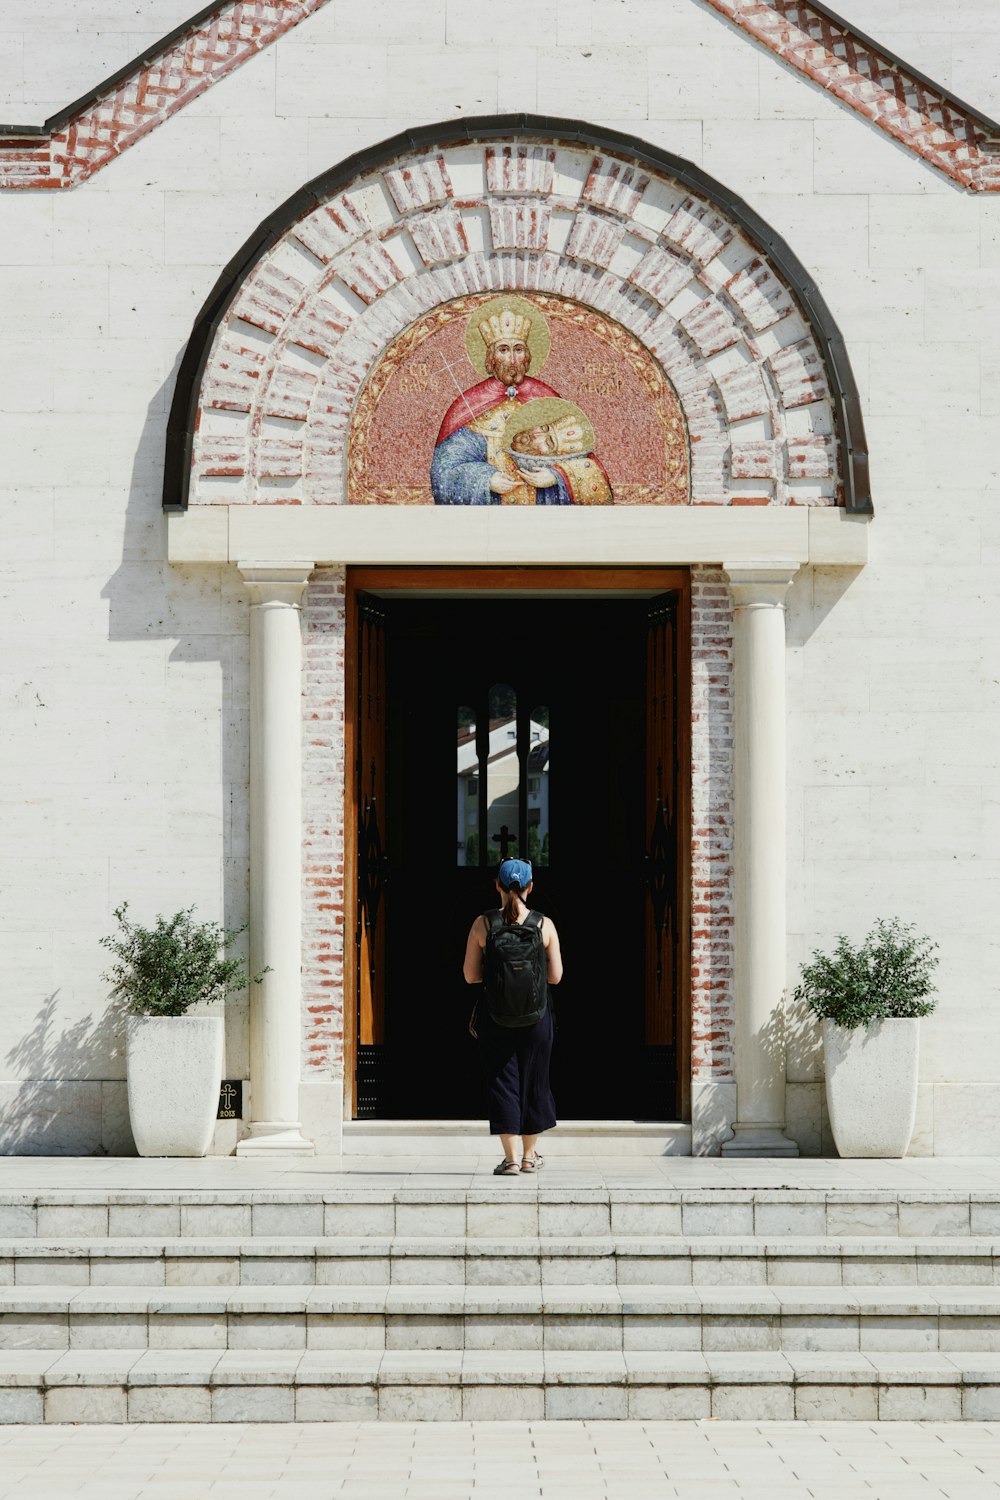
(515, 1063)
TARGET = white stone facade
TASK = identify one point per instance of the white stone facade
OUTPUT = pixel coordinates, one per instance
(125, 687)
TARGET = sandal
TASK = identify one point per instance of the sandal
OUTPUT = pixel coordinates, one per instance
(506, 1169)
(531, 1163)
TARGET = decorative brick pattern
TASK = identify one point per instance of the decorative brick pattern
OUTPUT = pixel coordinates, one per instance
(915, 114)
(712, 1001)
(519, 226)
(360, 286)
(101, 131)
(323, 772)
(880, 89)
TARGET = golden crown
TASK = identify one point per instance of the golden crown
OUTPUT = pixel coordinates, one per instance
(505, 324)
(570, 434)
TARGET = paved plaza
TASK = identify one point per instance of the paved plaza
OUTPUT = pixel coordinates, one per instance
(508, 1461)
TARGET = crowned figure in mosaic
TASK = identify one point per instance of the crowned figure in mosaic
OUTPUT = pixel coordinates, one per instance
(550, 444)
(503, 340)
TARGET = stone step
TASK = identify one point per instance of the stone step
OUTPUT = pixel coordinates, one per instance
(621, 1260)
(518, 1206)
(615, 1138)
(201, 1385)
(560, 1317)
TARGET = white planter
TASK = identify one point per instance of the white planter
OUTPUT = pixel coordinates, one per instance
(174, 1066)
(871, 1086)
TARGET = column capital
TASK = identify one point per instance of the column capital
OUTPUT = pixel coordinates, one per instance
(276, 583)
(760, 583)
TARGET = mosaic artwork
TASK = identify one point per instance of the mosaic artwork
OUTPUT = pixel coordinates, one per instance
(456, 412)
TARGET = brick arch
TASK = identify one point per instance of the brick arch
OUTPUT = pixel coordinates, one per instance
(279, 354)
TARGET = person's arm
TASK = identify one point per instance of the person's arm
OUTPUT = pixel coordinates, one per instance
(474, 947)
(553, 952)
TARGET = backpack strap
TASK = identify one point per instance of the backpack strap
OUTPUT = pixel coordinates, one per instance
(535, 918)
(491, 919)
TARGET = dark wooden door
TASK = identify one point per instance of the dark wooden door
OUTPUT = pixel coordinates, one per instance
(524, 726)
(371, 739)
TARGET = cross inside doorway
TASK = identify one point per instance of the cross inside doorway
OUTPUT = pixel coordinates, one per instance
(504, 838)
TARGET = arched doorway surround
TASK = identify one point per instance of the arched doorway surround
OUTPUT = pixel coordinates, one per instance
(257, 458)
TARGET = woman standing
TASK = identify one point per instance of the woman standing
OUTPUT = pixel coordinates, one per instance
(513, 1020)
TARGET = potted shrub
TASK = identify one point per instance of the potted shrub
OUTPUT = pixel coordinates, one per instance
(870, 998)
(173, 1060)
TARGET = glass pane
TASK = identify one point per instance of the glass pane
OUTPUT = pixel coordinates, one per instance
(538, 787)
(502, 775)
(467, 840)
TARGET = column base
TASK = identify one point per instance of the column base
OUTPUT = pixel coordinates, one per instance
(759, 1140)
(275, 1138)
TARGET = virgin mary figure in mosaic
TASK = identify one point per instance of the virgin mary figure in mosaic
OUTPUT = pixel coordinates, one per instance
(490, 450)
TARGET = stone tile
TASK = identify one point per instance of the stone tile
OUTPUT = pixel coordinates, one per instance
(148, 1220)
(881, 1270)
(739, 1333)
(202, 1270)
(34, 1331)
(562, 1220)
(427, 1332)
(664, 1332)
(430, 1270)
(919, 1403)
(420, 1403)
(232, 1219)
(503, 1403)
(444, 1219)
(346, 1270)
(721, 1219)
(251, 1330)
(964, 1335)
(288, 1220)
(789, 1218)
(89, 1403)
(513, 1270)
(347, 1403)
(107, 1330)
(645, 1218)
(17, 1221)
(509, 1220)
(122, 1270)
(725, 1270)
(753, 1403)
(801, 1270)
(586, 1403)
(345, 1331)
(361, 1220)
(71, 1220)
(928, 1218)
(177, 1403)
(880, 1334)
(253, 1403)
(169, 1330)
(578, 1270)
(669, 1403)
(861, 1218)
(582, 1332)
(805, 1331)
(21, 1406)
(273, 1270)
(836, 1403)
(654, 1270)
(503, 1331)
(61, 1270)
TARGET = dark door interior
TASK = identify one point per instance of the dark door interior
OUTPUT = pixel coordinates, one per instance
(543, 727)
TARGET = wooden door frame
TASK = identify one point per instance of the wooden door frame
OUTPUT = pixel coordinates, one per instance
(541, 580)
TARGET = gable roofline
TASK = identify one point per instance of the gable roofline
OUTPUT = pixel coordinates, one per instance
(846, 403)
(956, 138)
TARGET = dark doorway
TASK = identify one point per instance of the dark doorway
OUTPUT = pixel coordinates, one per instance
(546, 727)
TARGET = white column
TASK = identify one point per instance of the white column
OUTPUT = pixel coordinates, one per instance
(275, 856)
(759, 858)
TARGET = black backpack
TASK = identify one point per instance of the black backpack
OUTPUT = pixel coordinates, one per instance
(516, 970)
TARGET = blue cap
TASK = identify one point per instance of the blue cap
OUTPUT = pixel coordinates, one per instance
(514, 872)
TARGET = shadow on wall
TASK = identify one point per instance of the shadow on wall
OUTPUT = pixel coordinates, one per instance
(61, 1106)
(189, 736)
